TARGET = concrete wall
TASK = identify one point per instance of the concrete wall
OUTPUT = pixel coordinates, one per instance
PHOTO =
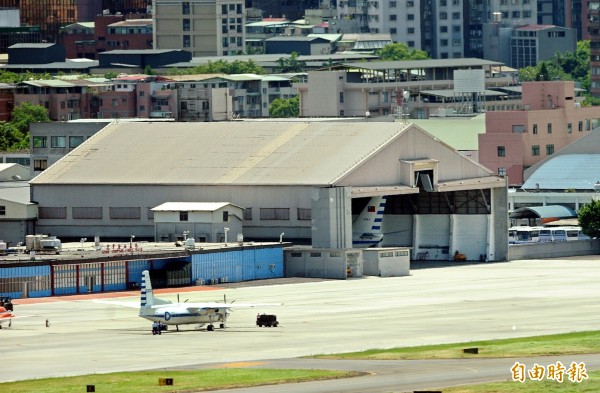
(386, 262)
(323, 263)
(332, 218)
(553, 249)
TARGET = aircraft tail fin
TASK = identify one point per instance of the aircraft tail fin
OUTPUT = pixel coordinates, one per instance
(369, 220)
(147, 299)
(366, 229)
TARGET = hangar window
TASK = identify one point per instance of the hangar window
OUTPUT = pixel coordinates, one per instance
(225, 216)
(501, 151)
(183, 216)
(2, 210)
(274, 213)
(386, 254)
(89, 213)
(303, 214)
(125, 213)
(150, 214)
(248, 213)
(296, 255)
(315, 255)
(52, 212)
(335, 254)
(402, 253)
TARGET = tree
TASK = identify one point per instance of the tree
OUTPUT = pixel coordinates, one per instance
(290, 64)
(281, 107)
(27, 113)
(589, 218)
(400, 51)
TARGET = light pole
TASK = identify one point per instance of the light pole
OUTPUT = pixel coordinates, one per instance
(281, 237)
(83, 240)
(131, 241)
(226, 230)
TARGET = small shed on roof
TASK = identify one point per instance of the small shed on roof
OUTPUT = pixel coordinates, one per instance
(544, 213)
(204, 221)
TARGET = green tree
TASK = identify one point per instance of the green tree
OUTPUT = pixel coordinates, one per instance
(281, 107)
(400, 51)
(149, 71)
(589, 218)
(11, 139)
(290, 64)
(27, 113)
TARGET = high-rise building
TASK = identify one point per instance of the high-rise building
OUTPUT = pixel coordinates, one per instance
(51, 15)
(203, 27)
(594, 34)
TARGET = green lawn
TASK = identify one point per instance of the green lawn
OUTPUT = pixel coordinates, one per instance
(556, 344)
(183, 381)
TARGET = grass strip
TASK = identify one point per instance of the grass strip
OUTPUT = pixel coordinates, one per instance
(183, 381)
(555, 344)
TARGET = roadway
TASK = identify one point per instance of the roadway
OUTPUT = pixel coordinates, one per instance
(434, 305)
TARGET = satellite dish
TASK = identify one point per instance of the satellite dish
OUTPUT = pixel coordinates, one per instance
(367, 114)
(16, 177)
(406, 94)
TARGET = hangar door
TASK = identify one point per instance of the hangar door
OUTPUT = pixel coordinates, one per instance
(432, 240)
(469, 235)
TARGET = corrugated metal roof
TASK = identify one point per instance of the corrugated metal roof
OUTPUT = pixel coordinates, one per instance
(237, 153)
(563, 172)
(549, 211)
(429, 63)
(49, 83)
(191, 206)
(450, 93)
(460, 133)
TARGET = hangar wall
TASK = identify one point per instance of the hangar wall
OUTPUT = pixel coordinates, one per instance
(146, 197)
(332, 217)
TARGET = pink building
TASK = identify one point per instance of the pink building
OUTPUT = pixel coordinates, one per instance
(551, 119)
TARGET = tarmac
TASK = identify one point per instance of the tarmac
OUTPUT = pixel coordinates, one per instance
(439, 304)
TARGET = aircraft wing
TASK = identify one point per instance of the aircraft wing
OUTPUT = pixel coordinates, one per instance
(226, 305)
(130, 304)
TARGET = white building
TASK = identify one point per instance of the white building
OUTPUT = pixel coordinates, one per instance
(203, 27)
(304, 179)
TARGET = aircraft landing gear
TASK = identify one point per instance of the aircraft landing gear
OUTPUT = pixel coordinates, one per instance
(222, 326)
(210, 328)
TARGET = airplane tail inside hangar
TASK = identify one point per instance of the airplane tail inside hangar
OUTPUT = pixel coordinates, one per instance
(458, 220)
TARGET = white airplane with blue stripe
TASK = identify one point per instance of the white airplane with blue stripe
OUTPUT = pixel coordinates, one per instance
(366, 229)
(168, 313)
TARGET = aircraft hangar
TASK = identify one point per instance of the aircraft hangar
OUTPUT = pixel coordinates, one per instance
(300, 181)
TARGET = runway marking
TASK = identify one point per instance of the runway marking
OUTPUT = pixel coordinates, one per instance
(241, 364)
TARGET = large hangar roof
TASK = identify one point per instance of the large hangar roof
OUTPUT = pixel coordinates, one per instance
(227, 153)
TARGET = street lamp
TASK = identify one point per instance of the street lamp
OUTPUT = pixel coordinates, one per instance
(281, 237)
(226, 230)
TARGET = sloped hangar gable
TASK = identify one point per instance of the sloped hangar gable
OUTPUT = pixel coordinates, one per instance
(398, 162)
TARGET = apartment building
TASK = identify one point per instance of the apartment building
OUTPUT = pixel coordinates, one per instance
(551, 118)
(131, 96)
(51, 141)
(534, 43)
(378, 88)
(203, 27)
(594, 33)
(226, 97)
(105, 33)
(64, 100)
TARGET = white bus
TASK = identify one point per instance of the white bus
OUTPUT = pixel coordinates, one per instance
(559, 234)
(523, 234)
